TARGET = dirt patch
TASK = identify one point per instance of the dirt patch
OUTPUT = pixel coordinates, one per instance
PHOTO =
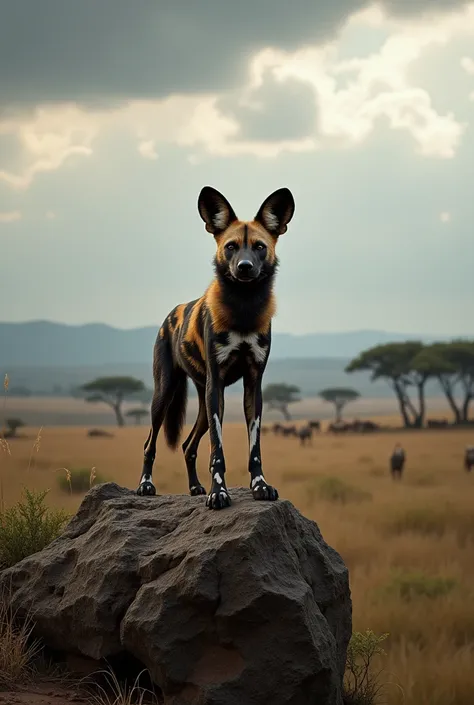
(44, 694)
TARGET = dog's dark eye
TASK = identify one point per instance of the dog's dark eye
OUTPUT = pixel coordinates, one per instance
(230, 246)
(260, 246)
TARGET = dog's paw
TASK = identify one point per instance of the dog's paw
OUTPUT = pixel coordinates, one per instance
(263, 492)
(146, 489)
(197, 490)
(218, 499)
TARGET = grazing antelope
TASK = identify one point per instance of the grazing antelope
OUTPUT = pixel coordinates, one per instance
(287, 431)
(305, 433)
(397, 461)
(218, 339)
(469, 458)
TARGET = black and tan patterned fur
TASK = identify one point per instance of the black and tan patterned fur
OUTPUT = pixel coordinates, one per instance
(223, 336)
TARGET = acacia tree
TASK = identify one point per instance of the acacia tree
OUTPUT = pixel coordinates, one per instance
(113, 391)
(339, 396)
(452, 364)
(460, 354)
(138, 414)
(435, 359)
(279, 396)
(402, 366)
(13, 426)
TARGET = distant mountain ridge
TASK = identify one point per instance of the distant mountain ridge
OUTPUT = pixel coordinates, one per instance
(45, 343)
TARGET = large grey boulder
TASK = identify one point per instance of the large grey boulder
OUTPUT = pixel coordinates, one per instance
(245, 606)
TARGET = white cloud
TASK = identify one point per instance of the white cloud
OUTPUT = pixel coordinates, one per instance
(50, 215)
(10, 216)
(49, 138)
(352, 95)
(445, 217)
(468, 65)
(147, 149)
(376, 86)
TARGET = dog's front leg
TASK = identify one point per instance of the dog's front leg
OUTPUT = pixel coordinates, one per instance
(253, 415)
(218, 496)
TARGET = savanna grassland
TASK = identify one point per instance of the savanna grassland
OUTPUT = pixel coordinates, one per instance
(409, 546)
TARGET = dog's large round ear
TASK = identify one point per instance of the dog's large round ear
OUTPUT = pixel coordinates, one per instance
(215, 210)
(276, 211)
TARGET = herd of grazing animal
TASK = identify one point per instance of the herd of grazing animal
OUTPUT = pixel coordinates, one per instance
(221, 337)
(397, 458)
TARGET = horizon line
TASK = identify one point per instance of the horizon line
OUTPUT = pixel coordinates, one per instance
(347, 331)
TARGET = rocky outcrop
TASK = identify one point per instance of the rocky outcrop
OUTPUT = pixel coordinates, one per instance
(245, 606)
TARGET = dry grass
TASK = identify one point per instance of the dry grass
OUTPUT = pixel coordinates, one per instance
(421, 529)
(17, 650)
(117, 693)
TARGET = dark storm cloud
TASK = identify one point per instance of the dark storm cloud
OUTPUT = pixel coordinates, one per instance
(288, 113)
(112, 50)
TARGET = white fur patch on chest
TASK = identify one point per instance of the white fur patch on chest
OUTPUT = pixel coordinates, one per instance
(235, 340)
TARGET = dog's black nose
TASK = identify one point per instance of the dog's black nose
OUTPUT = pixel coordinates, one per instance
(245, 266)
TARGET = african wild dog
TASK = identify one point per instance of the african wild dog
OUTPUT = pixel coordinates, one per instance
(218, 339)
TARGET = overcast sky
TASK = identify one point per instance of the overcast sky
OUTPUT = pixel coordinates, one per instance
(114, 114)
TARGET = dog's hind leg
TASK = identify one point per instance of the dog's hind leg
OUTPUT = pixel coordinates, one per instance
(191, 445)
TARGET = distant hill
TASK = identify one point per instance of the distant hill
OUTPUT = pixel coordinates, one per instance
(51, 358)
(47, 344)
(310, 374)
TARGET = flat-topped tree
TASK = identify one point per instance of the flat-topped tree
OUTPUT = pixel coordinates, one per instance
(143, 397)
(437, 361)
(339, 396)
(138, 414)
(402, 366)
(113, 391)
(279, 396)
(459, 354)
(13, 425)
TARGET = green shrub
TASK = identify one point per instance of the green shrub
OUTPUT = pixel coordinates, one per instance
(410, 585)
(28, 527)
(361, 682)
(333, 489)
(78, 480)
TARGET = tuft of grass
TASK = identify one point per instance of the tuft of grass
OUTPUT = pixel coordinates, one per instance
(433, 521)
(414, 584)
(297, 475)
(428, 521)
(425, 480)
(28, 527)
(117, 694)
(17, 650)
(333, 489)
(35, 449)
(377, 472)
(78, 480)
(362, 684)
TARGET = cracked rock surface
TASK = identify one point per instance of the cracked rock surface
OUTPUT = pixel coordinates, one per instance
(242, 606)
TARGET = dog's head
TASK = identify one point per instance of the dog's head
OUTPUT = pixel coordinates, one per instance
(246, 249)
